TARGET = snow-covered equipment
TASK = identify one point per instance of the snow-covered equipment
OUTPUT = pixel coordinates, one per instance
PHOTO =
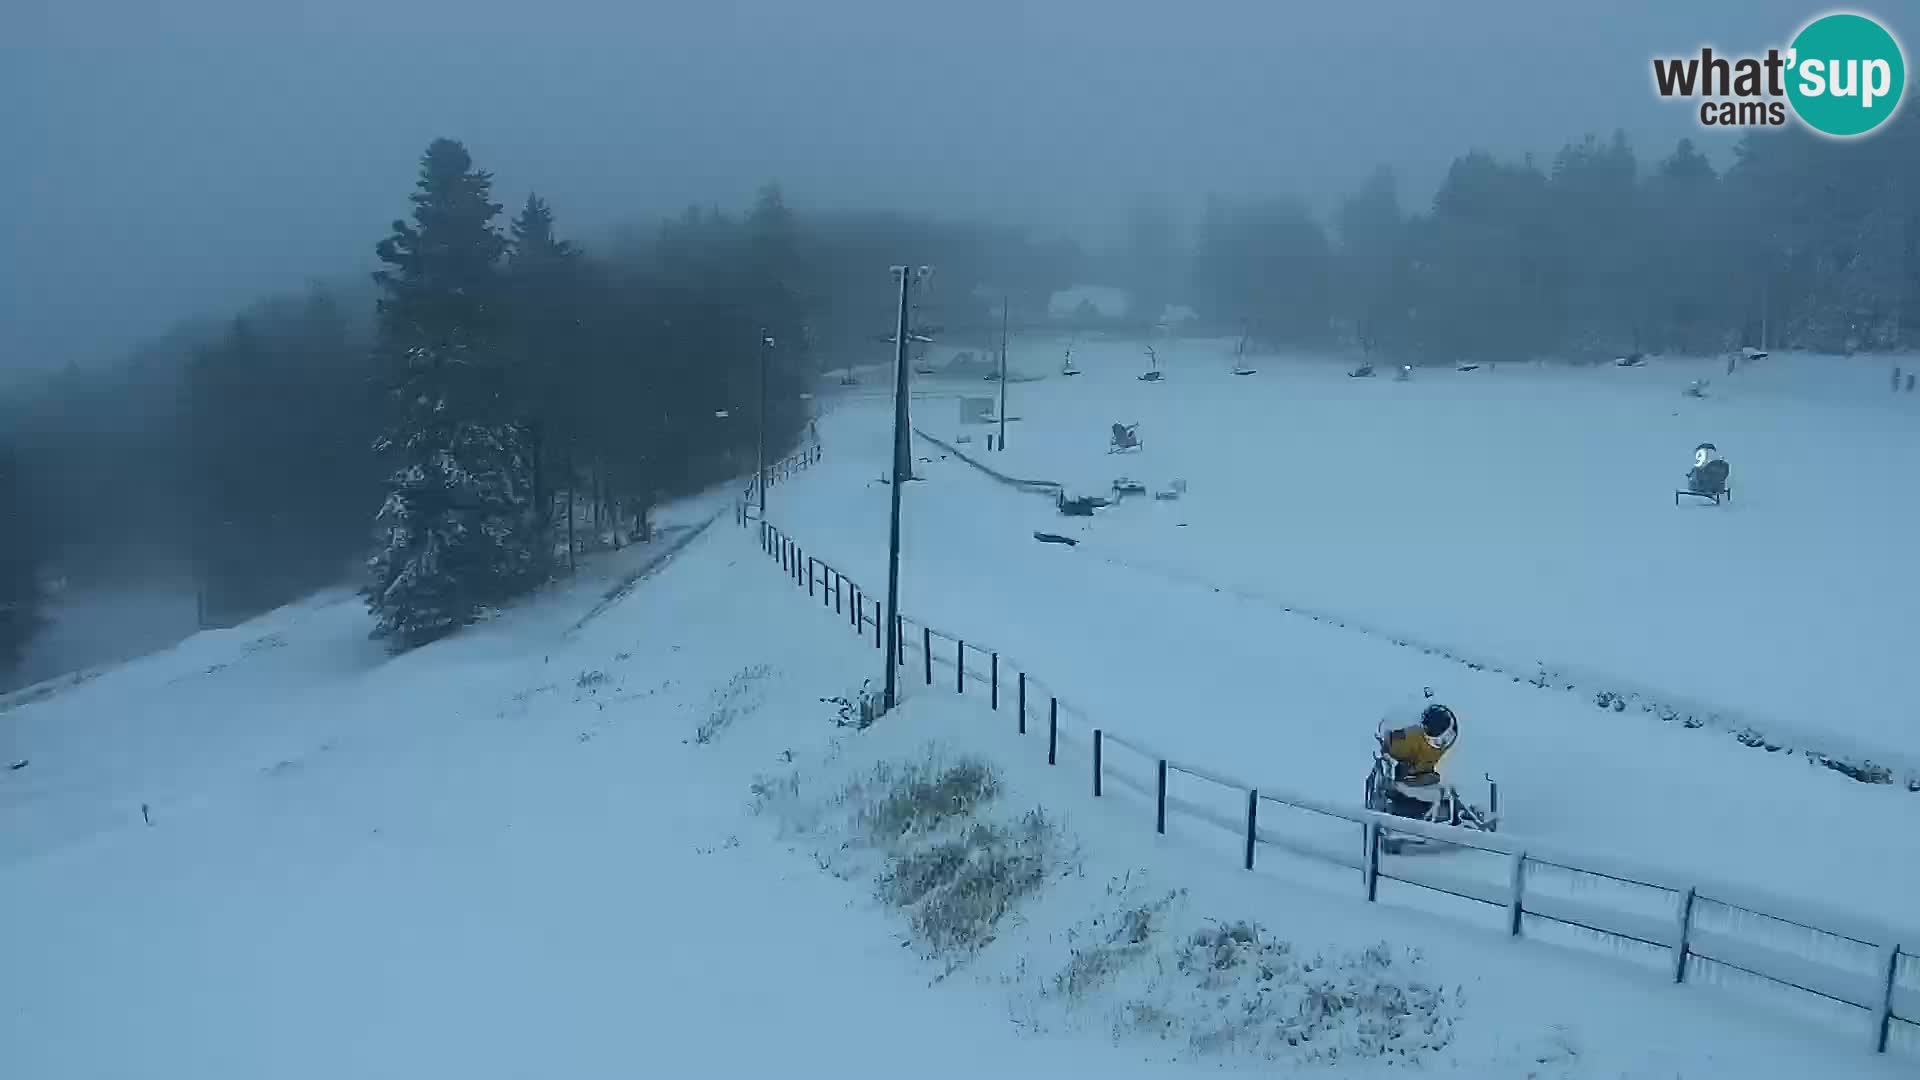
(1153, 373)
(1079, 506)
(1404, 374)
(1126, 485)
(1054, 538)
(1240, 358)
(1125, 437)
(1438, 803)
(1636, 359)
(1708, 477)
(1364, 371)
(1171, 491)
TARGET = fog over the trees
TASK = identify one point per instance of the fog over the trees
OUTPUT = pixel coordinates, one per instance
(586, 220)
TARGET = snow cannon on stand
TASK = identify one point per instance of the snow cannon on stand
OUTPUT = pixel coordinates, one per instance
(1708, 479)
(1446, 806)
(1126, 438)
(1405, 779)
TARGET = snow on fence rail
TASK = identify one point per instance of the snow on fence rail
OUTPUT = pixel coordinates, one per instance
(785, 469)
(1839, 969)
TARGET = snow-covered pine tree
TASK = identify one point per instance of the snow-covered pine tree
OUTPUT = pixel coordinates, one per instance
(458, 523)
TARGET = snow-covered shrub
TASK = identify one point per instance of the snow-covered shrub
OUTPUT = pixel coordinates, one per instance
(858, 710)
(740, 697)
(923, 833)
(1231, 989)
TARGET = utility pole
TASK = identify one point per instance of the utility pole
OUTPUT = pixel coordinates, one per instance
(766, 348)
(1003, 372)
(901, 435)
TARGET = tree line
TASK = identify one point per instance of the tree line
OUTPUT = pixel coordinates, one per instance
(1800, 242)
(510, 375)
(495, 387)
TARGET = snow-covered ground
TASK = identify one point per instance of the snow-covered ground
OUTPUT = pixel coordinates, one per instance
(614, 832)
(511, 854)
(1501, 518)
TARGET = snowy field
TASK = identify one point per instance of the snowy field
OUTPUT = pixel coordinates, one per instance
(536, 849)
(1343, 542)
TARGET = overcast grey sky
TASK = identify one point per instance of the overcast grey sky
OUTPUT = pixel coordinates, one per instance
(167, 158)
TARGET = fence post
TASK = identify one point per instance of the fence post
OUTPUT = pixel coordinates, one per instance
(960, 666)
(1023, 703)
(993, 683)
(809, 578)
(926, 651)
(826, 575)
(1160, 801)
(900, 640)
(1253, 812)
(836, 592)
(1516, 882)
(879, 617)
(1680, 936)
(1883, 1015)
(1096, 763)
(853, 606)
(800, 563)
(1053, 729)
(1372, 831)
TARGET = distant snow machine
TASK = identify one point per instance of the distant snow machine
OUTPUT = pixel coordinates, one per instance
(1364, 371)
(1405, 373)
(1152, 374)
(1708, 477)
(1632, 359)
(1125, 437)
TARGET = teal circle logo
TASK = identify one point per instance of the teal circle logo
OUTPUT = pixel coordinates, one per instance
(1846, 75)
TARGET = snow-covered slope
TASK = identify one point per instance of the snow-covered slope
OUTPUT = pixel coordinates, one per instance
(509, 854)
(1261, 623)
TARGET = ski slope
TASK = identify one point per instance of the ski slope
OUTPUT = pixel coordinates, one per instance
(506, 855)
(1517, 516)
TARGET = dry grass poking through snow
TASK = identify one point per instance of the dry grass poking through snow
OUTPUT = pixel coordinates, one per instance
(930, 836)
(925, 834)
(1143, 969)
(740, 697)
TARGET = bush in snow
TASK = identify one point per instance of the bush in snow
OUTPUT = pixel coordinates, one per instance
(920, 831)
(1230, 989)
(740, 697)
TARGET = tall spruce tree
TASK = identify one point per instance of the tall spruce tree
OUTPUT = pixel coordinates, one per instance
(458, 523)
